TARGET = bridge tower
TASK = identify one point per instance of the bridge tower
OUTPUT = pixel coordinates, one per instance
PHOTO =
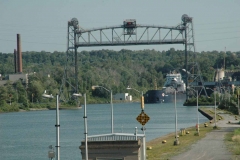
(130, 33)
(70, 77)
(193, 76)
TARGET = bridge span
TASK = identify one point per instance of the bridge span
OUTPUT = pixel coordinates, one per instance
(127, 33)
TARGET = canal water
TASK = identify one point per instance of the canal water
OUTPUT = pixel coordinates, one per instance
(27, 135)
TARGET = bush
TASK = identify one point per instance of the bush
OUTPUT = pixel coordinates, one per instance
(4, 107)
(236, 138)
(233, 141)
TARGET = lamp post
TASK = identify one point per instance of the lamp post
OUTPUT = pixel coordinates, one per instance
(85, 122)
(135, 90)
(214, 106)
(238, 102)
(110, 91)
(57, 124)
(143, 128)
(238, 99)
(228, 97)
(197, 109)
(176, 142)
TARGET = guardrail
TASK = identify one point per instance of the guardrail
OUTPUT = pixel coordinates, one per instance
(115, 137)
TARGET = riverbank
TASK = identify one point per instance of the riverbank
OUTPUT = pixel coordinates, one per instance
(168, 150)
(161, 150)
(44, 109)
(52, 106)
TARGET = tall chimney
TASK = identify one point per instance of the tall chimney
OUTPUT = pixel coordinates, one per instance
(15, 61)
(19, 53)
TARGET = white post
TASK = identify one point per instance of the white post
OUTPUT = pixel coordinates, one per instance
(57, 130)
(176, 138)
(85, 126)
(136, 133)
(111, 111)
(197, 115)
(229, 96)
(238, 102)
(93, 87)
(144, 143)
(143, 153)
(215, 109)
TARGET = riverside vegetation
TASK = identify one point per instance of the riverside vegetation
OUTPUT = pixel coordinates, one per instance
(115, 70)
(159, 150)
(233, 142)
(143, 70)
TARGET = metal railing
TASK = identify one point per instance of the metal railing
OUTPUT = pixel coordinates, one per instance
(115, 137)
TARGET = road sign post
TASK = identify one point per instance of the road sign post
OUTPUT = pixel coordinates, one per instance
(143, 118)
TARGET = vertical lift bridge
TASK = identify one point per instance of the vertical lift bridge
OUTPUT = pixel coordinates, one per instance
(129, 33)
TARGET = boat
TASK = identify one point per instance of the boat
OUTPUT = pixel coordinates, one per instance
(173, 83)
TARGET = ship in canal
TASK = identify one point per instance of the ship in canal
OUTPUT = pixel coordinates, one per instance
(173, 83)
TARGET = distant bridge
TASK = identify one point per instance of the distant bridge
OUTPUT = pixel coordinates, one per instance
(136, 35)
(129, 33)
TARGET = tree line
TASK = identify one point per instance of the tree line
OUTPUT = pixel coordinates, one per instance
(115, 70)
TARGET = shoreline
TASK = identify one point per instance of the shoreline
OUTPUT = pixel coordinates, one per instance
(188, 128)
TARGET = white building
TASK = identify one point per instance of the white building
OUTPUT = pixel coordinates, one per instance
(122, 96)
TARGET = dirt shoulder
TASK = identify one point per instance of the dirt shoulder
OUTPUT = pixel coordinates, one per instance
(208, 145)
(212, 146)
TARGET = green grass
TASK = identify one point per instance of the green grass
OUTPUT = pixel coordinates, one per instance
(232, 140)
(163, 151)
(210, 111)
(166, 150)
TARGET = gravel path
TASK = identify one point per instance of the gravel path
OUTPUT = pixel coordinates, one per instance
(212, 146)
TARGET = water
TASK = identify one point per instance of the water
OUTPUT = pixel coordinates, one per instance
(27, 135)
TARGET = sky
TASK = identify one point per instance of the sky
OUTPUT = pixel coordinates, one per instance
(42, 24)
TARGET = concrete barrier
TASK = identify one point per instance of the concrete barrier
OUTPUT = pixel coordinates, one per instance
(205, 114)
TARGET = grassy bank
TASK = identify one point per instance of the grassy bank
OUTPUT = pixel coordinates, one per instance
(166, 150)
(232, 140)
(156, 149)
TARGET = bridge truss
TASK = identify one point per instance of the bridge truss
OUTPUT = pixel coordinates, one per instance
(193, 77)
(129, 33)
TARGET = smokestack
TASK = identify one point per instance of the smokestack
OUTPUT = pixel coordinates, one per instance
(19, 53)
(15, 61)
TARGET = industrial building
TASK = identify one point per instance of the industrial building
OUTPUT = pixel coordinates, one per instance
(17, 66)
(122, 97)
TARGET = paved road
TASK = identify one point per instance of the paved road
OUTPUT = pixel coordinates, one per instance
(212, 146)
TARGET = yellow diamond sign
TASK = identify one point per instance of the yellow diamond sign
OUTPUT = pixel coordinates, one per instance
(143, 118)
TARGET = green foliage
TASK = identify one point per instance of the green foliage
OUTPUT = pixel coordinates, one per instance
(141, 69)
(202, 100)
(237, 131)
(232, 141)
(4, 107)
(229, 103)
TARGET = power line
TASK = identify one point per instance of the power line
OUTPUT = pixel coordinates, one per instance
(219, 32)
(65, 44)
(219, 28)
(217, 22)
(218, 39)
(61, 28)
(31, 42)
